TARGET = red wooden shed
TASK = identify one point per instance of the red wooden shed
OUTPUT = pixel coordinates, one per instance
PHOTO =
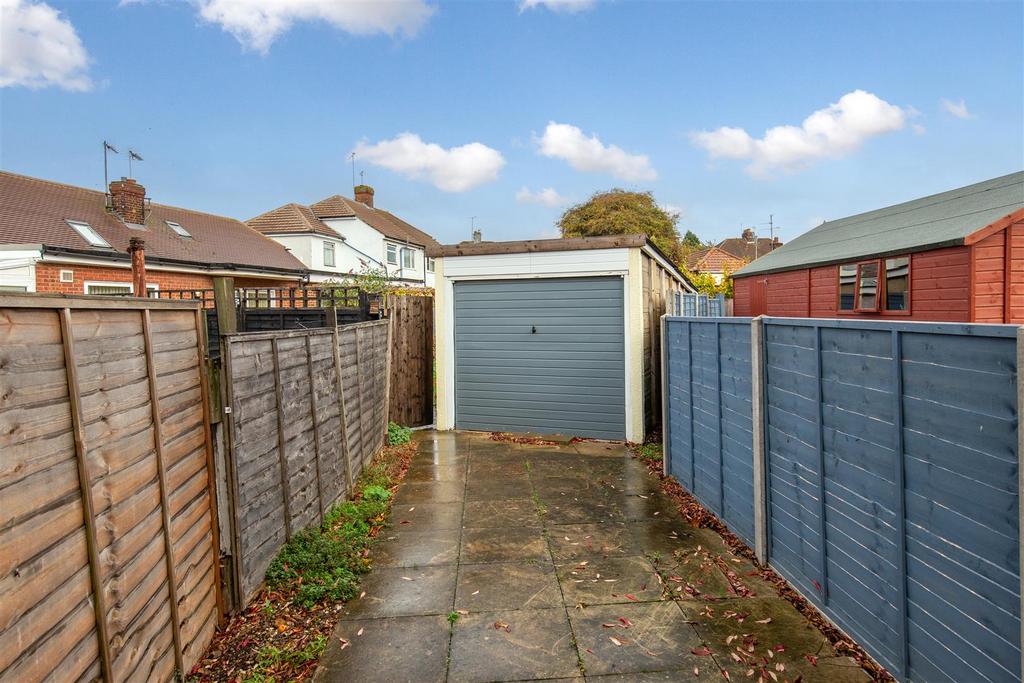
(957, 256)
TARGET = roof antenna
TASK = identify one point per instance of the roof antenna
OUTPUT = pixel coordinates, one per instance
(107, 146)
(353, 158)
(132, 154)
(361, 180)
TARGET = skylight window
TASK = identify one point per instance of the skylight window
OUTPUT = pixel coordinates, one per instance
(176, 227)
(88, 234)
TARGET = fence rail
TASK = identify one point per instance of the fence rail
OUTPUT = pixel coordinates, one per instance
(882, 460)
(108, 541)
(308, 410)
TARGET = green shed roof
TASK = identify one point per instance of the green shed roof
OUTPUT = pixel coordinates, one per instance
(940, 220)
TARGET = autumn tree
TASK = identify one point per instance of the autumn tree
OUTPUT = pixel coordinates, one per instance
(621, 212)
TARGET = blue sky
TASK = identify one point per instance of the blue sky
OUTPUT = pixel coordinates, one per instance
(239, 121)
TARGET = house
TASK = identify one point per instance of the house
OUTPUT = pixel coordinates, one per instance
(337, 236)
(556, 336)
(748, 246)
(72, 240)
(956, 256)
(714, 261)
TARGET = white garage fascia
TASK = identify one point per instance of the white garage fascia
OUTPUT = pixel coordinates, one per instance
(624, 262)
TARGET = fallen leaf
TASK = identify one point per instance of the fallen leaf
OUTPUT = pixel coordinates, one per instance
(625, 622)
(632, 597)
(812, 659)
(703, 651)
(766, 620)
(475, 592)
(618, 643)
(406, 578)
(498, 625)
(610, 625)
(344, 643)
(360, 632)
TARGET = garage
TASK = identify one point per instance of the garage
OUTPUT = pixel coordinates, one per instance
(541, 355)
(552, 336)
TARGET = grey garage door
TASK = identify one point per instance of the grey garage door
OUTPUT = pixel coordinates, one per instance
(543, 355)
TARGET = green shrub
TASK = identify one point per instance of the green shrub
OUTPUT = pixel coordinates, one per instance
(398, 435)
(376, 493)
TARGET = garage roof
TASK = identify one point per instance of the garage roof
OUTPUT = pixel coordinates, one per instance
(940, 220)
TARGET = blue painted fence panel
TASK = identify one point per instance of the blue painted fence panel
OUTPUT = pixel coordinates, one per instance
(891, 474)
(708, 393)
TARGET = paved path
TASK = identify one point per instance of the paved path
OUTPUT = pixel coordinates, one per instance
(558, 562)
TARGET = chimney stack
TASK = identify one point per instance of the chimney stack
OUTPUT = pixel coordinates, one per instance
(129, 200)
(136, 248)
(748, 234)
(364, 195)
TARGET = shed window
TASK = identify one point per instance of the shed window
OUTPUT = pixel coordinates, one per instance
(329, 254)
(867, 286)
(392, 254)
(847, 286)
(897, 284)
(88, 234)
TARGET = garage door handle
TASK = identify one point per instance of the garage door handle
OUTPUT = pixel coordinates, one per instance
(534, 330)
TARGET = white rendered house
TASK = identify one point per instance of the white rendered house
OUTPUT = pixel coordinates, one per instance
(338, 236)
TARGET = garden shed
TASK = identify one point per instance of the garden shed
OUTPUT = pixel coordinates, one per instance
(555, 336)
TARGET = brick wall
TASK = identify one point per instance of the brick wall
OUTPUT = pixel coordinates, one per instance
(48, 278)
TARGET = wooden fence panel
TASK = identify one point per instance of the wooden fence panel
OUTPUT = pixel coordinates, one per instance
(412, 360)
(307, 411)
(108, 552)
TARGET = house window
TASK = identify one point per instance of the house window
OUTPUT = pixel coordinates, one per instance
(115, 288)
(392, 254)
(176, 227)
(430, 265)
(329, 254)
(88, 234)
(897, 284)
(847, 286)
(67, 276)
(867, 286)
(408, 258)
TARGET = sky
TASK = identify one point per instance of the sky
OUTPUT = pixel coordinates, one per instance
(503, 114)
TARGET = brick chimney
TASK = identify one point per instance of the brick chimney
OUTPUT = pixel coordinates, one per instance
(136, 247)
(129, 200)
(364, 195)
(748, 234)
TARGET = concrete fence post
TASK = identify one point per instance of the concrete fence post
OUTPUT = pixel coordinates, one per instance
(757, 413)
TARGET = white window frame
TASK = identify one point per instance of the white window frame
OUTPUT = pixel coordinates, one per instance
(87, 233)
(391, 254)
(67, 276)
(150, 287)
(180, 231)
(409, 255)
(329, 249)
(431, 265)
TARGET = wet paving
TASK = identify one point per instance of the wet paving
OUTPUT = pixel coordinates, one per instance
(515, 562)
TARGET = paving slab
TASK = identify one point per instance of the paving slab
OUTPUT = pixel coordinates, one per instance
(404, 591)
(507, 585)
(430, 492)
(516, 544)
(637, 638)
(609, 580)
(425, 473)
(588, 541)
(513, 512)
(392, 650)
(417, 548)
(498, 489)
(513, 645)
(426, 516)
(602, 448)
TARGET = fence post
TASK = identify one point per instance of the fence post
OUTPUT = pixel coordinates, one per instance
(99, 602)
(224, 302)
(1020, 482)
(757, 413)
(234, 524)
(666, 440)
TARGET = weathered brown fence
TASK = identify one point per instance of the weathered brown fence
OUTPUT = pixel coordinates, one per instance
(412, 359)
(108, 565)
(308, 409)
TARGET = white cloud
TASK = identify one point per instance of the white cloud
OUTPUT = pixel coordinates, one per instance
(455, 169)
(258, 23)
(40, 48)
(673, 209)
(957, 109)
(566, 6)
(566, 142)
(546, 197)
(829, 133)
